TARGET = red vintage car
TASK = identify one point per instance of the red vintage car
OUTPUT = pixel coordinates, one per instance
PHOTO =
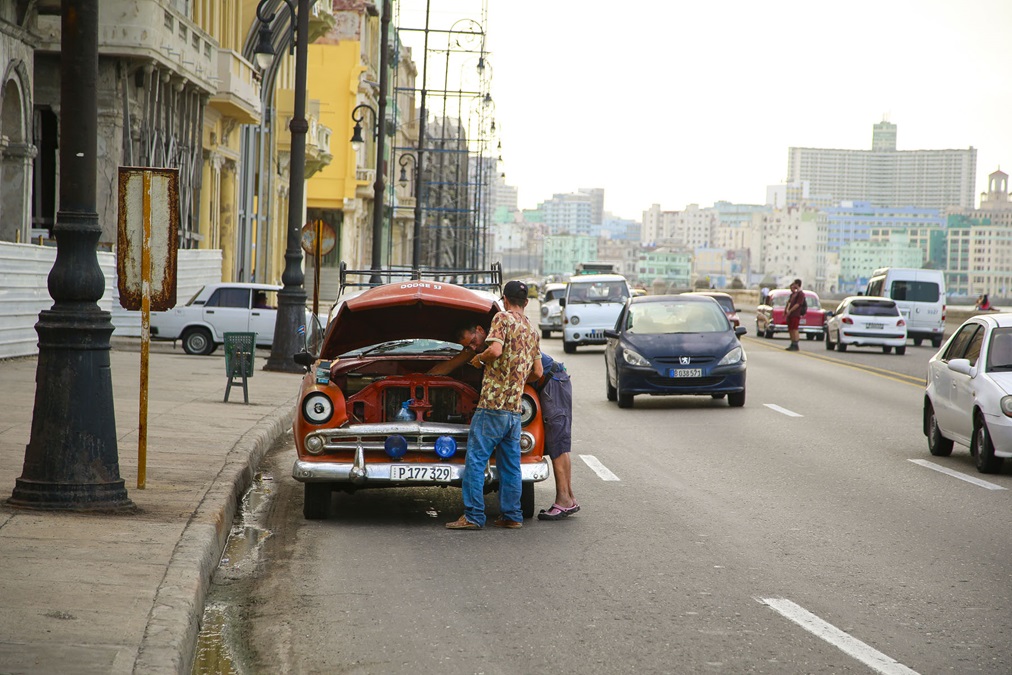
(369, 413)
(770, 320)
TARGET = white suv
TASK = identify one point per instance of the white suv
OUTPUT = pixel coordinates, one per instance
(217, 309)
(591, 306)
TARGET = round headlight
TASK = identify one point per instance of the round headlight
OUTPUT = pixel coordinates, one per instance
(317, 408)
(314, 445)
(574, 320)
(1006, 405)
(446, 447)
(526, 442)
(544, 311)
(527, 410)
(396, 446)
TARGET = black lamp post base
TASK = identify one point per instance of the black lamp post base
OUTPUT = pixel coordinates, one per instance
(78, 497)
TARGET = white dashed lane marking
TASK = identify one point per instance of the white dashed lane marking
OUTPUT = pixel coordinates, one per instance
(782, 411)
(600, 469)
(845, 642)
(955, 474)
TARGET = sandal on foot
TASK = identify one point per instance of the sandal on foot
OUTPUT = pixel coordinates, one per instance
(557, 512)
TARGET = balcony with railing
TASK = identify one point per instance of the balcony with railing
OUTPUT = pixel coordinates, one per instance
(238, 94)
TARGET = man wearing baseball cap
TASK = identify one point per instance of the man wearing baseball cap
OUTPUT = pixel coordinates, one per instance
(510, 356)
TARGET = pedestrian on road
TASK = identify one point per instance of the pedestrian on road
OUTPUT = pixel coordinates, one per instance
(556, 394)
(793, 314)
(509, 358)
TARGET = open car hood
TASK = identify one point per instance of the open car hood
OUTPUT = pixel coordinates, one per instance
(404, 310)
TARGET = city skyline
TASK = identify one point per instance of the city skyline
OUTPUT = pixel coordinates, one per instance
(681, 104)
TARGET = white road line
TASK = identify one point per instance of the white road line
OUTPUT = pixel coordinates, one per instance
(600, 469)
(782, 411)
(846, 643)
(955, 474)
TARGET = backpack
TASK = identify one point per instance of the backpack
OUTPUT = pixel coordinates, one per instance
(804, 305)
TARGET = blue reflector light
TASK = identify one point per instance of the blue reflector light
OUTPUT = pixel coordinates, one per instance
(446, 446)
(396, 446)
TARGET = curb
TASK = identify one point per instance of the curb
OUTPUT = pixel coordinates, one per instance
(170, 636)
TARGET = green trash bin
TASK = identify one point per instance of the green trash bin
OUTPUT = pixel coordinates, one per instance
(240, 350)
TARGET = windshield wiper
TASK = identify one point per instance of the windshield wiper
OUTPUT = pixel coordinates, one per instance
(384, 347)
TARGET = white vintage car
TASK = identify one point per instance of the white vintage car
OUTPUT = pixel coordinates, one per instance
(217, 309)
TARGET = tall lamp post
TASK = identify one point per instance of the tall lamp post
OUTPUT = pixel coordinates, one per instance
(71, 461)
(292, 296)
(408, 158)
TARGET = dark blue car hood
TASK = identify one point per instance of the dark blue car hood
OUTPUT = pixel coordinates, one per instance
(682, 344)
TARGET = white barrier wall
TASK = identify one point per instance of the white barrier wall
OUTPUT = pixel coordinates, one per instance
(24, 291)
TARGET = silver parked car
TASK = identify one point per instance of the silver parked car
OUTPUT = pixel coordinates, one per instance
(968, 398)
(551, 310)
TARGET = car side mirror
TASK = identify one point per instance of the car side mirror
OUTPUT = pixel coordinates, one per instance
(562, 302)
(962, 366)
(305, 359)
(611, 333)
(740, 330)
(829, 313)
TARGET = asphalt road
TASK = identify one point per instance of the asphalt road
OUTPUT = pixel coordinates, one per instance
(718, 533)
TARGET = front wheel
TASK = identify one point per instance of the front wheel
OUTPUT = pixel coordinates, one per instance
(983, 449)
(938, 445)
(546, 334)
(198, 341)
(736, 399)
(316, 501)
(568, 347)
(610, 391)
(625, 400)
(527, 499)
(829, 343)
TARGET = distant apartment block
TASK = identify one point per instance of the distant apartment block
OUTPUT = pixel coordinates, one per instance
(851, 222)
(574, 213)
(885, 176)
(562, 252)
(858, 259)
(665, 269)
(793, 245)
(692, 227)
(979, 243)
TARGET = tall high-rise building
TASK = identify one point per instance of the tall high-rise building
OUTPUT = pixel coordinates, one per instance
(887, 177)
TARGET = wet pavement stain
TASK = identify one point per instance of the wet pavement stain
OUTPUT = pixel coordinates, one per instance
(221, 644)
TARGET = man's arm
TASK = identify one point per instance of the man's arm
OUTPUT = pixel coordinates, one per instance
(447, 367)
(493, 350)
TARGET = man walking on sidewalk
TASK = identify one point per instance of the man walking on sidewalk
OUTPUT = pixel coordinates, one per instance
(795, 303)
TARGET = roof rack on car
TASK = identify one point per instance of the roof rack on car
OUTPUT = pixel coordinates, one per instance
(488, 279)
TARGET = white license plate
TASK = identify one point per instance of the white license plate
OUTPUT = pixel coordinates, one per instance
(878, 326)
(685, 372)
(410, 472)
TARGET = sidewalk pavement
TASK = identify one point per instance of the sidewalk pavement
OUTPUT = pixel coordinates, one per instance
(88, 593)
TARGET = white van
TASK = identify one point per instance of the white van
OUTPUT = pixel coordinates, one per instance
(920, 295)
(591, 305)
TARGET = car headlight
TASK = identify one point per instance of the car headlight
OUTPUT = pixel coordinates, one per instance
(574, 320)
(527, 410)
(317, 408)
(1006, 405)
(733, 356)
(544, 311)
(633, 358)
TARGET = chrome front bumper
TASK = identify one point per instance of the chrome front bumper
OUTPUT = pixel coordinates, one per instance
(363, 474)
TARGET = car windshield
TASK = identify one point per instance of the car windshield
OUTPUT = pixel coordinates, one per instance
(874, 308)
(554, 294)
(583, 293)
(999, 356)
(655, 318)
(779, 300)
(413, 347)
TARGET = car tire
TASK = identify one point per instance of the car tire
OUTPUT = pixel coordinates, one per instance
(316, 501)
(624, 400)
(938, 445)
(917, 342)
(568, 347)
(758, 332)
(769, 332)
(610, 392)
(829, 343)
(886, 349)
(840, 347)
(983, 449)
(527, 499)
(736, 399)
(900, 351)
(546, 334)
(936, 342)
(197, 341)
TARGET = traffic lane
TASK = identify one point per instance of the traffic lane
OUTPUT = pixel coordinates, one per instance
(864, 509)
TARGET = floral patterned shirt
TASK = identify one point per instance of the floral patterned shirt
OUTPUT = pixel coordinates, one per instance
(503, 383)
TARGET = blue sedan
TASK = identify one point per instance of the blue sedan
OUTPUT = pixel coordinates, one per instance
(666, 345)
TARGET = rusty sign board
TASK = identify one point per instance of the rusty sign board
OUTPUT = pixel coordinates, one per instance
(148, 236)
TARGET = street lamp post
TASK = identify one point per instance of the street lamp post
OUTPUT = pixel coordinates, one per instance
(71, 461)
(292, 296)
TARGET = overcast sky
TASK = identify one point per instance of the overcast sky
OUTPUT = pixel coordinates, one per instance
(677, 102)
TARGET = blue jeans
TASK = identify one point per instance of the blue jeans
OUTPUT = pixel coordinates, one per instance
(493, 431)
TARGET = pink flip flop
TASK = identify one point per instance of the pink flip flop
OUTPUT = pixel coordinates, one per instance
(557, 512)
